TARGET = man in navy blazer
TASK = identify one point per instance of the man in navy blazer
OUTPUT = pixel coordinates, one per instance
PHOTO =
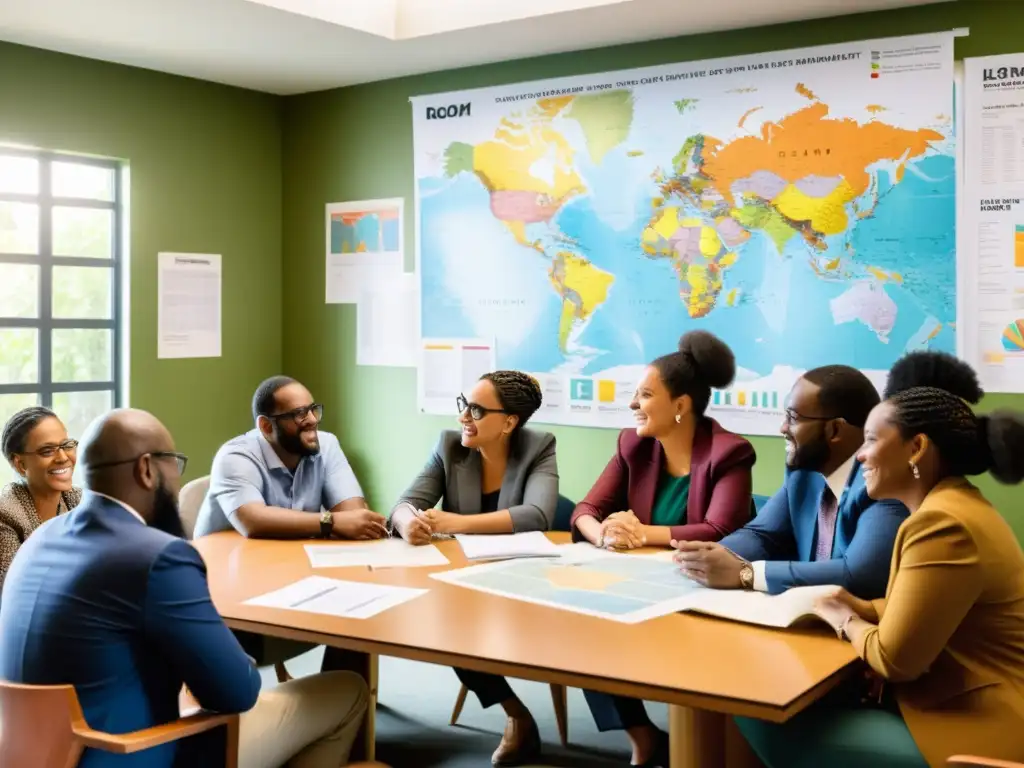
(109, 598)
(820, 527)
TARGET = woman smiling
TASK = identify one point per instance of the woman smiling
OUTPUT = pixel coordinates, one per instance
(36, 444)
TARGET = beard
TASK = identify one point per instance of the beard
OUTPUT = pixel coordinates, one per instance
(166, 516)
(811, 456)
(293, 444)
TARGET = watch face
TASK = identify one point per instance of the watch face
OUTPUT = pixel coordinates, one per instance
(325, 517)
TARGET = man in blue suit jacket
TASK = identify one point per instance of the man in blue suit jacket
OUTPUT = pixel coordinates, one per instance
(820, 527)
(110, 599)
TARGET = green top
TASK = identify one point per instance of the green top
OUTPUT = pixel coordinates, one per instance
(670, 500)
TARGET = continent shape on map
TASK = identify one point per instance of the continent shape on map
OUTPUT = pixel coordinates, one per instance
(528, 170)
(799, 177)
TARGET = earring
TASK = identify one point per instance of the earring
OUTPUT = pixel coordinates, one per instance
(679, 419)
(915, 471)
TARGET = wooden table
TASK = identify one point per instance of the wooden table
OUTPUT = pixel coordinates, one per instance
(703, 668)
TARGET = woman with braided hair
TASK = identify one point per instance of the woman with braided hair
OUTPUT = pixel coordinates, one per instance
(491, 476)
(949, 635)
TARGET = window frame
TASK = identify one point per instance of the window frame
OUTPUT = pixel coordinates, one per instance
(44, 323)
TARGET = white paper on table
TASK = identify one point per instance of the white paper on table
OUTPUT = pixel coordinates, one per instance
(188, 305)
(387, 553)
(387, 322)
(364, 247)
(507, 546)
(334, 597)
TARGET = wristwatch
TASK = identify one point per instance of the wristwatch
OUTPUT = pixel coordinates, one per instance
(747, 576)
(326, 524)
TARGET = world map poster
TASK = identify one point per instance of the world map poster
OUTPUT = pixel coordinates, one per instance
(801, 205)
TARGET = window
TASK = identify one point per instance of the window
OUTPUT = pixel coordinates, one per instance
(60, 286)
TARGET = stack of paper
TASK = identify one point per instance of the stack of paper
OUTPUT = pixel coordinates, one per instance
(507, 546)
(388, 553)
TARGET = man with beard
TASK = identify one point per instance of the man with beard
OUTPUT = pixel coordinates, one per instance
(285, 479)
(821, 527)
(110, 599)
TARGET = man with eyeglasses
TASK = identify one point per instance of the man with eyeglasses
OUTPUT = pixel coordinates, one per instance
(821, 527)
(286, 479)
(109, 599)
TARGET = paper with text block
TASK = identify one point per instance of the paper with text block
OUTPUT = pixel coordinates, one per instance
(388, 553)
(334, 597)
(188, 305)
(507, 546)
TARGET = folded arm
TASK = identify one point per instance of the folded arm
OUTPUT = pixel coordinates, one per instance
(863, 570)
(769, 536)
(939, 579)
(180, 620)
(606, 497)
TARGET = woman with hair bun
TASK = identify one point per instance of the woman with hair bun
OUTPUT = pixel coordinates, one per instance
(949, 634)
(494, 476)
(677, 475)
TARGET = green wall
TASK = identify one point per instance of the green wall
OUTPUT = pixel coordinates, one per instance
(356, 143)
(205, 176)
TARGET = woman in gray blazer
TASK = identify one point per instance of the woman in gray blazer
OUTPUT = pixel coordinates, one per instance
(492, 476)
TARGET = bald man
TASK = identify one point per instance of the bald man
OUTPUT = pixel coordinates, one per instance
(111, 599)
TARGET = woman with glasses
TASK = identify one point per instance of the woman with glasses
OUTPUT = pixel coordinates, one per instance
(945, 646)
(676, 476)
(36, 445)
(491, 476)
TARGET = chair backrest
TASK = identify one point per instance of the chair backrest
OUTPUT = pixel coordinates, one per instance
(563, 514)
(36, 726)
(190, 499)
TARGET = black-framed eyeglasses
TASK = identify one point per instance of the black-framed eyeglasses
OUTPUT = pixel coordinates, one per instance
(298, 415)
(794, 417)
(476, 412)
(180, 458)
(49, 451)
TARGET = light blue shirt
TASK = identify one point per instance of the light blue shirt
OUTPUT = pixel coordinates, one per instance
(246, 470)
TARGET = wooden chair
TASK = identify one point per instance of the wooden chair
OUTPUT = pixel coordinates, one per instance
(43, 727)
(970, 761)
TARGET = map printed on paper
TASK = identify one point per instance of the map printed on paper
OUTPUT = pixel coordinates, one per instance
(620, 587)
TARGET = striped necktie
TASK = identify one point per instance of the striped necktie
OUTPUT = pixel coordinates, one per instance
(828, 510)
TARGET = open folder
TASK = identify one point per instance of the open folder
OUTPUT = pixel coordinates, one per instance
(508, 546)
(793, 607)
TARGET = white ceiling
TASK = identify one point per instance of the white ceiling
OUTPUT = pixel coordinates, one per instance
(294, 46)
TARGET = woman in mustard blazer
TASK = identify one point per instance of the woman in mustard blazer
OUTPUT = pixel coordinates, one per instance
(949, 634)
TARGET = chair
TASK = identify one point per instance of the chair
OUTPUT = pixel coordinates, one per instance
(970, 761)
(559, 695)
(43, 727)
(190, 501)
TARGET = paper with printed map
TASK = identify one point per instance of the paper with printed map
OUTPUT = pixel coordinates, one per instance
(799, 204)
(628, 588)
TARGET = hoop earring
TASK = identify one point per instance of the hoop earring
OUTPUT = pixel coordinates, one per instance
(679, 419)
(915, 471)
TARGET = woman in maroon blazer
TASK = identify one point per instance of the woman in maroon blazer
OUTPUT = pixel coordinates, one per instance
(677, 476)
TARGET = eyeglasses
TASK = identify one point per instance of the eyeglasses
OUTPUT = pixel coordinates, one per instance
(476, 412)
(180, 458)
(49, 451)
(792, 417)
(298, 415)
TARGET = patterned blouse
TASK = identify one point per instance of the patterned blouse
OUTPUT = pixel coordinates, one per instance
(18, 519)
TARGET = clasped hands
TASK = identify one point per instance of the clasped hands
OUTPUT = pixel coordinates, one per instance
(622, 530)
